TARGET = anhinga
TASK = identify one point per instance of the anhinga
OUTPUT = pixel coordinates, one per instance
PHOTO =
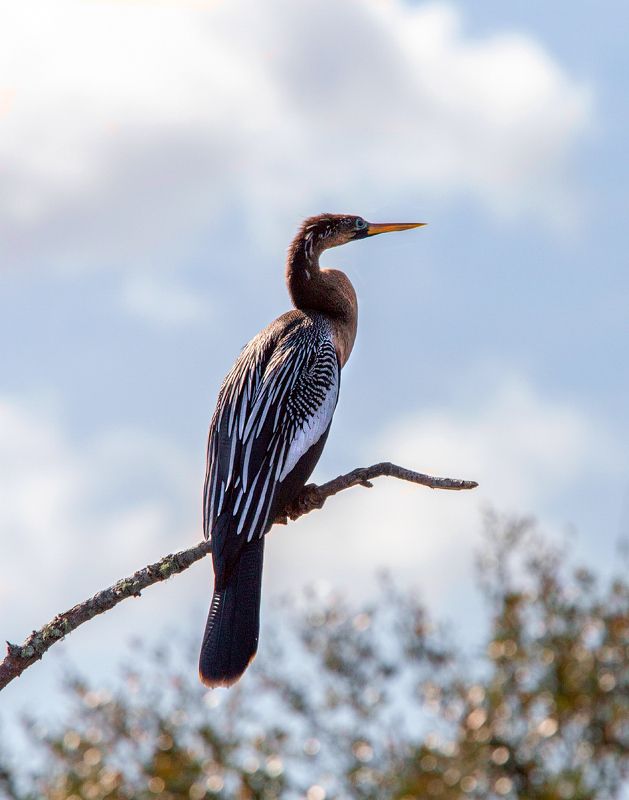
(270, 425)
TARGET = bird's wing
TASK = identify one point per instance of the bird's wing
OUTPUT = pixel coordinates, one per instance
(274, 405)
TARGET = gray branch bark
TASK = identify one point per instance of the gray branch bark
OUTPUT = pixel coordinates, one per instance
(20, 657)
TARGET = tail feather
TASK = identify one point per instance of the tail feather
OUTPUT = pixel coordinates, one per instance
(231, 633)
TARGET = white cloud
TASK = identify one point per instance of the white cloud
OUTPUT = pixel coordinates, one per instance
(127, 126)
(77, 517)
(526, 451)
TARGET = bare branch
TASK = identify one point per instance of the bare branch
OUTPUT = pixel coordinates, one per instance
(312, 496)
(20, 657)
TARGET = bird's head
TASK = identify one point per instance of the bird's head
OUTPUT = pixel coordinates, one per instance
(331, 230)
(330, 291)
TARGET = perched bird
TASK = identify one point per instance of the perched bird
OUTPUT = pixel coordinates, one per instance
(270, 425)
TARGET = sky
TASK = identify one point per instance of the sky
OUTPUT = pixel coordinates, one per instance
(156, 158)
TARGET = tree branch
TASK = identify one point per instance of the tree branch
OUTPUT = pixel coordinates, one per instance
(20, 657)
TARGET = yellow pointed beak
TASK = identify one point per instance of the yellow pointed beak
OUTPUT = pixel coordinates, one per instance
(388, 227)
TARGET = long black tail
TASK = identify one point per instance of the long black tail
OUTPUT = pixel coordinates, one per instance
(231, 633)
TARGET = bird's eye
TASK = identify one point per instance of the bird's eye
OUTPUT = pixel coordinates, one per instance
(360, 224)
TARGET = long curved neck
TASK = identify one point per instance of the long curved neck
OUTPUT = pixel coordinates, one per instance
(328, 291)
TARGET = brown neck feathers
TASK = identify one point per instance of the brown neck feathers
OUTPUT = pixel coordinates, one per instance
(328, 291)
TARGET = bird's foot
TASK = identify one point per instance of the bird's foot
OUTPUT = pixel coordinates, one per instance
(309, 499)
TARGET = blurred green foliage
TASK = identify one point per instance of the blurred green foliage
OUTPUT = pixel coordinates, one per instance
(375, 703)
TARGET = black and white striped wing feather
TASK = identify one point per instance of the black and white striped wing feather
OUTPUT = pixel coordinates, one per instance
(274, 405)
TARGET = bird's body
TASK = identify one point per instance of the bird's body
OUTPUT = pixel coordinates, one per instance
(271, 422)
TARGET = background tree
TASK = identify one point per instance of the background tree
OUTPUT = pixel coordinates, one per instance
(376, 702)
